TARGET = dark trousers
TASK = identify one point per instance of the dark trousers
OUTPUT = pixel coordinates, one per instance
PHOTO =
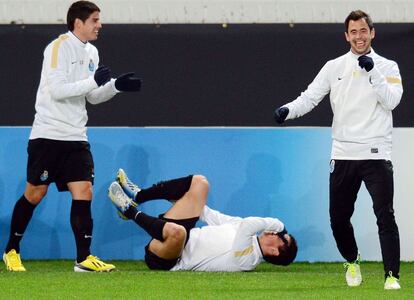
(344, 183)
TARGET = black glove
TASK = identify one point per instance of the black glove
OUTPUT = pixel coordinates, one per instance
(128, 83)
(102, 75)
(281, 235)
(283, 232)
(281, 114)
(366, 62)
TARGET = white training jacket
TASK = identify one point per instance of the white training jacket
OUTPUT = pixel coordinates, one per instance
(226, 244)
(362, 104)
(66, 82)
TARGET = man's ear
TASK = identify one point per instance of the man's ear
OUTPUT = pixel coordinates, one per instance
(77, 23)
(347, 36)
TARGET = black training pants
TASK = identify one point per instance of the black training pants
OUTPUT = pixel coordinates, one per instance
(344, 183)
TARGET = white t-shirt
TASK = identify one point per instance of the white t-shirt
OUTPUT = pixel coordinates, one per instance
(66, 82)
(226, 244)
(362, 104)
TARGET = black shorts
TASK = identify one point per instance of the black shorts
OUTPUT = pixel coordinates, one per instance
(157, 263)
(59, 161)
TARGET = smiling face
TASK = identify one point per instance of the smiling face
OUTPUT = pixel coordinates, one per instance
(88, 30)
(359, 36)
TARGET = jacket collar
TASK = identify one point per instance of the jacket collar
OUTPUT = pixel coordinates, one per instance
(371, 53)
(76, 40)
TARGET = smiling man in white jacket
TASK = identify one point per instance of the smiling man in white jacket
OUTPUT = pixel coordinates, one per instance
(364, 88)
(58, 146)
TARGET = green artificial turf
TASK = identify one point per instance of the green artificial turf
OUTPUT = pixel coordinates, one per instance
(133, 280)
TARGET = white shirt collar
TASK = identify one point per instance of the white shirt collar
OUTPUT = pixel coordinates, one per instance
(370, 54)
(76, 40)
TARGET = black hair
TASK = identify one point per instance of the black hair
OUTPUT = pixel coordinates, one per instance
(357, 15)
(287, 254)
(80, 10)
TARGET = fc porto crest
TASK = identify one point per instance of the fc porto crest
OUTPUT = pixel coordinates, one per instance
(44, 176)
(91, 66)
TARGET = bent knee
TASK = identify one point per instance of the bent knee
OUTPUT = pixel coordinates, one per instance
(175, 233)
(200, 182)
(35, 194)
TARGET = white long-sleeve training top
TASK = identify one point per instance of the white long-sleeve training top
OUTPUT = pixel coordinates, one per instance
(66, 81)
(226, 244)
(362, 104)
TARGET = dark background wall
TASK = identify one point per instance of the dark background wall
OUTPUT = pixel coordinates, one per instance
(201, 75)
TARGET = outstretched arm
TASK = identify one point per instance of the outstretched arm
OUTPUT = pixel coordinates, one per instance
(307, 100)
(124, 83)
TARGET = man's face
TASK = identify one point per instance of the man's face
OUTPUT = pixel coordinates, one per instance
(275, 242)
(88, 30)
(359, 36)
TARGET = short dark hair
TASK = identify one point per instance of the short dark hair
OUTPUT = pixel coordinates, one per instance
(80, 10)
(287, 254)
(357, 15)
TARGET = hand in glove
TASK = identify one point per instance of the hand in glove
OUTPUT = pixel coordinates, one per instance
(281, 114)
(365, 62)
(128, 83)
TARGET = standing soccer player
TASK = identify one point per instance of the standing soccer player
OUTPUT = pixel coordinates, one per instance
(364, 88)
(58, 148)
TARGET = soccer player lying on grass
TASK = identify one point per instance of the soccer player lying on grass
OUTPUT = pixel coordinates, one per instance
(226, 243)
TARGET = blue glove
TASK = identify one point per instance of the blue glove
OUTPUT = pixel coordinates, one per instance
(365, 62)
(128, 83)
(281, 114)
(102, 75)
